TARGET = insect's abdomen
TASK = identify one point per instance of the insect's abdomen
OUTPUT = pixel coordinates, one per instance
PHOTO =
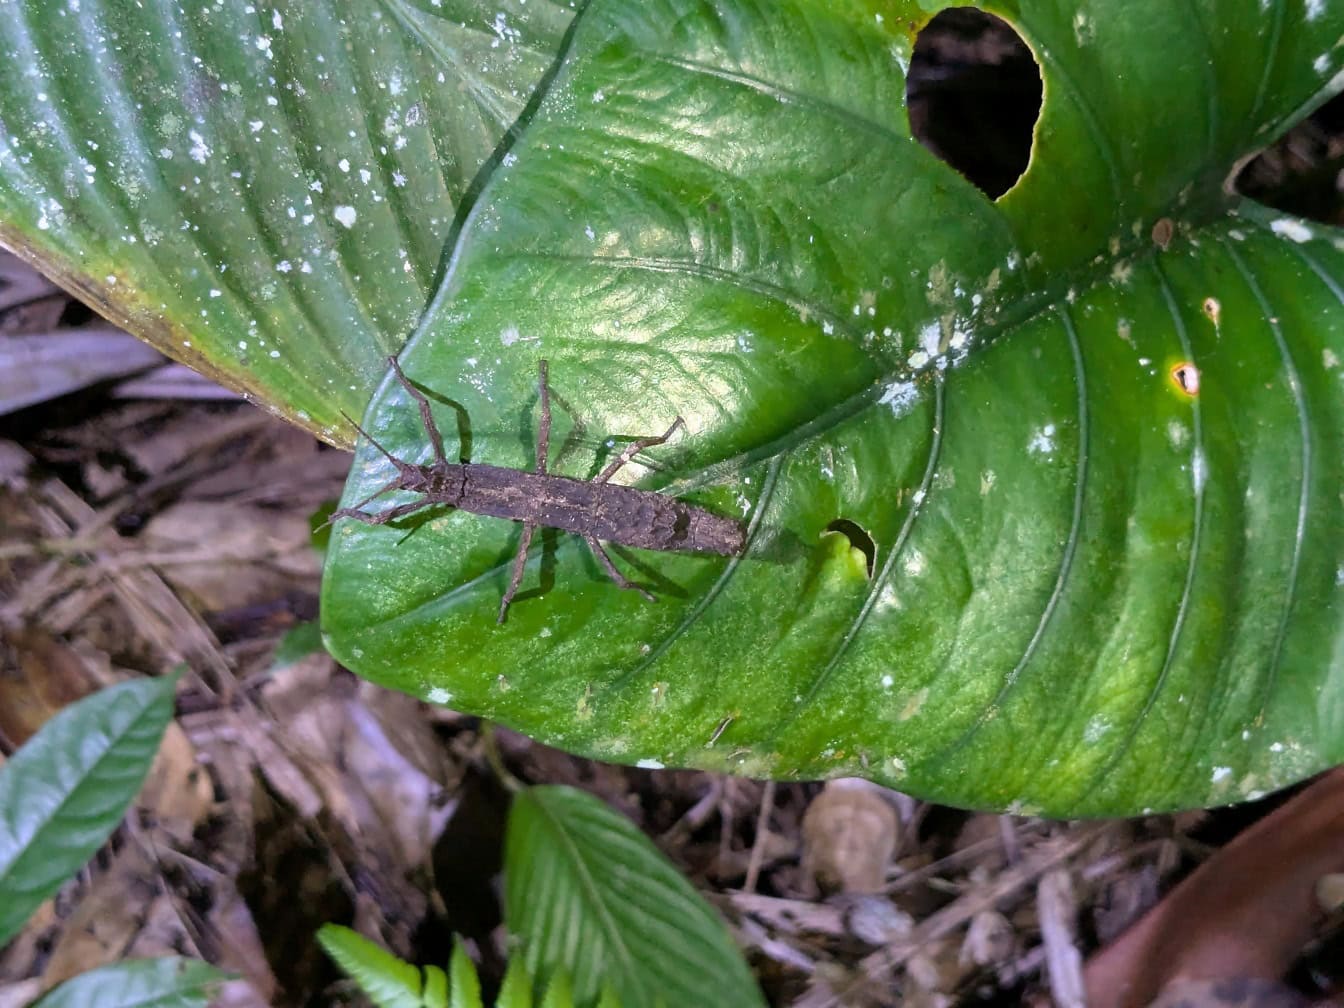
(606, 511)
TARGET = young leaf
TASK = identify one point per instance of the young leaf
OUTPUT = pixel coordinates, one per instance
(559, 992)
(587, 894)
(203, 187)
(171, 982)
(465, 985)
(1091, 429)
(386, 980)
(66, 789)
(515, 991)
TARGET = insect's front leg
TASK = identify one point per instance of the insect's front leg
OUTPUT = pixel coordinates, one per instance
(382, 517)
(426, 416)
(637, 446)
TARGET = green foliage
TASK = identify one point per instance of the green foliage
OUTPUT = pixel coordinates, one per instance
(390, 982)
(66, 789)
(203, 185)
(170, 982)
(1093, 592)
(587, 893)
(600, 916)
(61, 796)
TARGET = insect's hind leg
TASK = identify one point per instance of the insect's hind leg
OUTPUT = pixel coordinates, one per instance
(612, 572)
(637, 446)
(519, 561)
(426, 417)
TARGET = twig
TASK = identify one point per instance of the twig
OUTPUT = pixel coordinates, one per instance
(762, 830)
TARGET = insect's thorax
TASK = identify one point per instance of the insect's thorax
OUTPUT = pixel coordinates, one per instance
(440, 482)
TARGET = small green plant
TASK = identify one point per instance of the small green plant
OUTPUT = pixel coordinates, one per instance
(61, 796)
(599, 916)
(390, 982)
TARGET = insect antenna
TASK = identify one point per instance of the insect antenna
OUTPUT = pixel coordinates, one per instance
(354, 510)
(373, 441)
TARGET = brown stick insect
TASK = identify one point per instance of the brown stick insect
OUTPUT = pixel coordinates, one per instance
(595, 510)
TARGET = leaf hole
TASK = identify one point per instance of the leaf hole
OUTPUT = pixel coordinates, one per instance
(859, 539)
(1185, 376)
(974, 94)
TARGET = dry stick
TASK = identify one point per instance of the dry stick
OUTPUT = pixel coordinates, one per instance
(697, 815)
(762, 829)
(148, 600)
(959, 912)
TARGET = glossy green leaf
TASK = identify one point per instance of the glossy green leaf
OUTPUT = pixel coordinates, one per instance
(64, 791)
(260, 190)
(587, 893)
(1093, 592)
(171, 982)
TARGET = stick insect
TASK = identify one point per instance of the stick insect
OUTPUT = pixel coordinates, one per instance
(595, 510)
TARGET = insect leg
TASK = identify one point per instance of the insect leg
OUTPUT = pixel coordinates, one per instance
(427, 418)
(519, 559)
(636, 446)
(544, 428)
(382, 517)
(612, 572)
(346, 512)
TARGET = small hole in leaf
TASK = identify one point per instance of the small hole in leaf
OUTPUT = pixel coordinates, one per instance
(859, 539)
(1186, 377)
(974, 95)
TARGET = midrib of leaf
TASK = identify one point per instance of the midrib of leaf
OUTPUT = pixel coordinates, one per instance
(589, 890)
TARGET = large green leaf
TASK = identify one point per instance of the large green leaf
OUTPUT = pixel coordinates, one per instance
(63, 792)
(1093, 592)
(260, 190)
(587, 893)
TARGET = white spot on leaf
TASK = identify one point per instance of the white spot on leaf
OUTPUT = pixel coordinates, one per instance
(1287, 227)
(1043, 440)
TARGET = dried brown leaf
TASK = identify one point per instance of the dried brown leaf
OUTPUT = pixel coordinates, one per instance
(1246, 912)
